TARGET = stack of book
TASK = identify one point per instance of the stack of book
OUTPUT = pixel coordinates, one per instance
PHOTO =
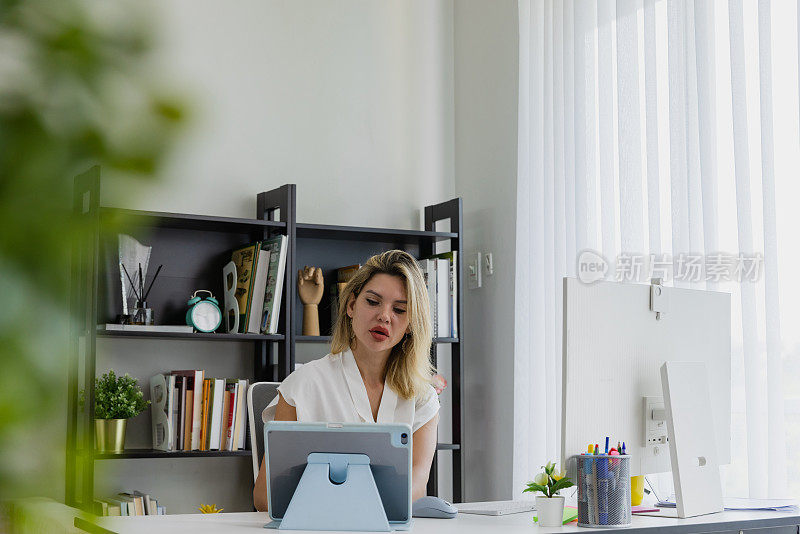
(441, 278)
(194, 413)
(260, 268)
(125, 504)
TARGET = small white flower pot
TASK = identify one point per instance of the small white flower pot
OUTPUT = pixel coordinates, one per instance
(550, 510)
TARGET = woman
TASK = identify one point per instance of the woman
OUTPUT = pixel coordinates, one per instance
(379, 368)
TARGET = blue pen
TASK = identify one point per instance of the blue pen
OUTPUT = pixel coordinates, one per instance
(606, 444)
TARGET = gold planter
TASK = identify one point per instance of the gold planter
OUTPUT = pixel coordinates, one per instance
(109, 434)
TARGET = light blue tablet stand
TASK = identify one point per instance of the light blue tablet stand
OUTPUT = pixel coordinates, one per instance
(336, 492)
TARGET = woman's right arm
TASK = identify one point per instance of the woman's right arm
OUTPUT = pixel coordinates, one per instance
(283, 412)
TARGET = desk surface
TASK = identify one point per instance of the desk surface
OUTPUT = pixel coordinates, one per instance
(734, 521)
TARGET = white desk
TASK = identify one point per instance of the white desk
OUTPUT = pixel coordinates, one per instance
(725, 522)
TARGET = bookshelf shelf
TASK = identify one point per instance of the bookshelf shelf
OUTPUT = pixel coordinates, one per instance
(183, 221)
(193, 250)
(312, 339)
(191, 335)
(153, 453)
(325, 231)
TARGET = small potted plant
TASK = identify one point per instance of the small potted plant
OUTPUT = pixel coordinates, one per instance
(116, 399)
(549, 505)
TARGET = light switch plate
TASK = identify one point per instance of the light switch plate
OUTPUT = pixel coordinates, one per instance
(474, 270)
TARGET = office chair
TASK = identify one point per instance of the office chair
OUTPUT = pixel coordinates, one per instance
(259, 395)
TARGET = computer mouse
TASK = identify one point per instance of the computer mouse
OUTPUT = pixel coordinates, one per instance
(433, 507)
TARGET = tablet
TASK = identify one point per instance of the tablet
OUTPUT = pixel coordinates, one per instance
(288, 444)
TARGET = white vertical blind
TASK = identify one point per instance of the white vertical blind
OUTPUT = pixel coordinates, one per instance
(629, 146)
(651, 121)
(593, 172)
(775, 413)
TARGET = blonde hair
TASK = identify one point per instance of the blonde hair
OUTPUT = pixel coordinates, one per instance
(409, 368)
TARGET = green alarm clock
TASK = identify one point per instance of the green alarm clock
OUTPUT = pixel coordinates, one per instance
(203, 313)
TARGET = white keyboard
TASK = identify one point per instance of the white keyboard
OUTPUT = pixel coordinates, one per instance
(495, 507)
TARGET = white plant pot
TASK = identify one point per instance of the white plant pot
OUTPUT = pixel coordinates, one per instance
(549, 510)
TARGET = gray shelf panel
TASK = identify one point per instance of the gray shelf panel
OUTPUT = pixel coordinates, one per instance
(153, 453)
(358, 233)
(191, 335)
(448, 447)
(185, 221)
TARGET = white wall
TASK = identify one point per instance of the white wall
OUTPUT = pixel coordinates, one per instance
(352, 101)
(486, 89)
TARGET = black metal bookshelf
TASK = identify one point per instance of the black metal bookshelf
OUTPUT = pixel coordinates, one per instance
(204, 243)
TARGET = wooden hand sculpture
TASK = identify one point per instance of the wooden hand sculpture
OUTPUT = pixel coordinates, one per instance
(310, 287)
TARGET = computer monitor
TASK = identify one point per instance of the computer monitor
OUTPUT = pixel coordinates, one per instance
(613, 348)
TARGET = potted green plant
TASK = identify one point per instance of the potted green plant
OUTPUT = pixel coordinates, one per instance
(116, 399)
(549, 505)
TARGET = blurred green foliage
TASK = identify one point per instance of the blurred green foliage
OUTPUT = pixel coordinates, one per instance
(74, 92)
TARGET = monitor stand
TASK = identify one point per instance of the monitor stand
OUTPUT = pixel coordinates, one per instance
(692, 445)
(336, 492)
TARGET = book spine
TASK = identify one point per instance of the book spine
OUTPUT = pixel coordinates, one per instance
(258, 293)
(442, 297)
(187, 423)
(244, 259)
(181, 393)
(223, 431)
(431, 283)
(453, 302)
(243, 414)
(197, 410)
(216, 414)
(204, 415)
(231, 420)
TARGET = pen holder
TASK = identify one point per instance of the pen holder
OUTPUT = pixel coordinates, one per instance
(604, 490)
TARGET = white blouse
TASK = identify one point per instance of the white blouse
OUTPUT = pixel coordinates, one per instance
(331, 390)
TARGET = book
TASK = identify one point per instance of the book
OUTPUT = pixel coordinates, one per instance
(204, 415)
(231, 385)
(217, 405)
(127, 500)
(429, 273)
(180, 394)
(195, 378)
(238, 426)
(138, 503)
(187, 421)
(145, 499)
(242, 420)
(442, 297)
(277, 247)
(245, 259)
(100, 508)
(117, 506)
(165, 328)
(255, 307)
(452, 281)
(223, 429)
